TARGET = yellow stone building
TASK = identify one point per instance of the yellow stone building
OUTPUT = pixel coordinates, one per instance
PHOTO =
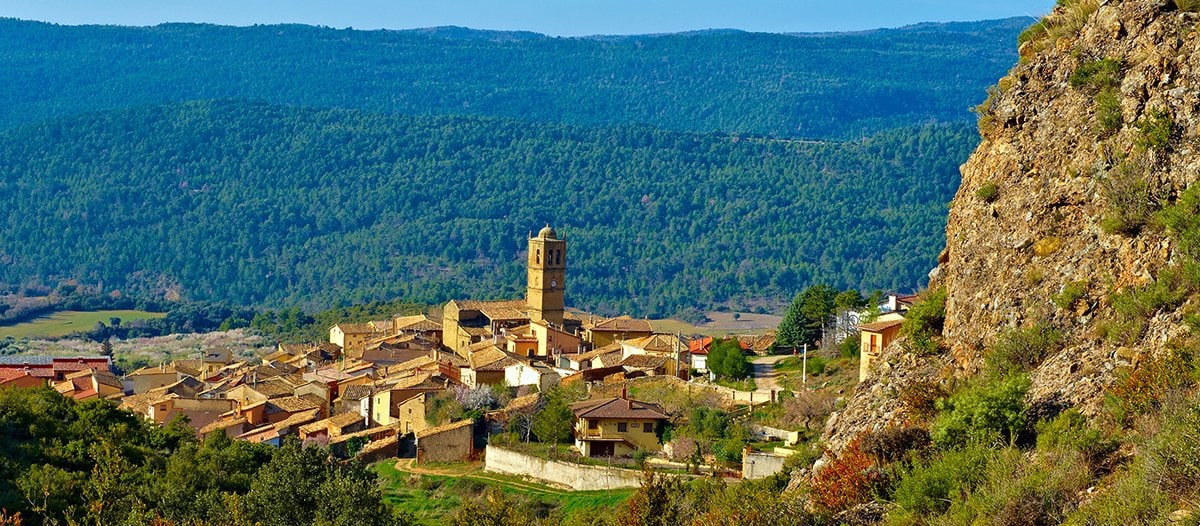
(542, 316)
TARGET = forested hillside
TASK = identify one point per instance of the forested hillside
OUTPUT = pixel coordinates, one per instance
(811, 86)
(262, 204)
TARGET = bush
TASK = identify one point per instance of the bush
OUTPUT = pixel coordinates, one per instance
(924, 321)
(1019, 491)
(1182, 221)
(1173, 454)
(986, 413)
(895, 443)
(1144, 389)
(1020, 350)
(1069, 431)
(1134, 305)
(1188, 5)
(1154, 130)
(1132, 202)
(927, 488)
(1130, 500)
(846, 481)
(921, 398)
(1070, 294)
(1097, 74)
(1108, 112)
(988, 193)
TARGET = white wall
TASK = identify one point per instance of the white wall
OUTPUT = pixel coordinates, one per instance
(574, 476)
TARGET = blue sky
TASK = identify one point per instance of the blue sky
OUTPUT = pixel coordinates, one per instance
(554, 17)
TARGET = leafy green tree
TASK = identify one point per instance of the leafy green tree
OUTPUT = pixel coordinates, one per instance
(553, 424)
(727, 360)
(656, 502)
(803, 322)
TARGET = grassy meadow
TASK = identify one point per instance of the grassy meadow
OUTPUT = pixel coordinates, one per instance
(62, 323)
(433, 498)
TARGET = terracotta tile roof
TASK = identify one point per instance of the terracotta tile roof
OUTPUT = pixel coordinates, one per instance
(293, 404)
(222, 424)
(419, 322)
(417, 381)
(392, 429)
(496, 310)
(356, 392)
(657, 343)
(392, 356)
(260, 434)
(477, 332)
(757, 343)
(486, 357)
(617, 408)
(296, 349)
(8, 375)
(644, 361)
(522, 402)
(444, 428)
(356, 328)
(189, 367)
(376, 445)
(600, 351)
(274, 387)
(168, 368)
(700, 345)
(298, 419)
(418, 364)
(611, 358)
(339, 421)
(140, 403)
(879, 326)
(622, 324)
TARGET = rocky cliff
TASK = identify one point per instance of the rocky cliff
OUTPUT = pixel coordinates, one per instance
(1082, 142)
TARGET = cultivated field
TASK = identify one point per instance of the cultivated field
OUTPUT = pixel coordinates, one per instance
(62, 323)
(721, 324)
(156, 350)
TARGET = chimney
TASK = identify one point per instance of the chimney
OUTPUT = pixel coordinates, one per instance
(623, 392)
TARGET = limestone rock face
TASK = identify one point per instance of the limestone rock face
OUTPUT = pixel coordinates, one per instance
(1052, 163)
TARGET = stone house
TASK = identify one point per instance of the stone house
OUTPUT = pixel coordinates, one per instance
(611, 427)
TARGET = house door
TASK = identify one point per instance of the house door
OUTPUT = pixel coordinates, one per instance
(602, 449)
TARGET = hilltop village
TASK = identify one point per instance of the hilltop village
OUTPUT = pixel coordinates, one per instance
(448, 387)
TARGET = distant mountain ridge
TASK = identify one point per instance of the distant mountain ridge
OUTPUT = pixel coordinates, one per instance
(835, 86)
(256, 204)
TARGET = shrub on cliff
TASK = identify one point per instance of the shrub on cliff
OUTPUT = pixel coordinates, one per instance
(989, 412)
(924, 321)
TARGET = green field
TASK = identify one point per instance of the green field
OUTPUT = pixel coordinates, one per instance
(433, 498)
(63, 323)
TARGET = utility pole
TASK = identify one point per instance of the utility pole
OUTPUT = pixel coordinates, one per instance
(804, 368)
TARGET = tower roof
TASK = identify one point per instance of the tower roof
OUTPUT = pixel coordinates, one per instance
(547, 233)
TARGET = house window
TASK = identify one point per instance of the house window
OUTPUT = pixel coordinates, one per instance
(648, 428)
(593, 424)
(622, 427)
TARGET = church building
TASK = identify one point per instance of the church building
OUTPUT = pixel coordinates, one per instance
(538, 326)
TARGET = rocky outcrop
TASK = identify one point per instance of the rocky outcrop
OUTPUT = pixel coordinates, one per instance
(1052, 165)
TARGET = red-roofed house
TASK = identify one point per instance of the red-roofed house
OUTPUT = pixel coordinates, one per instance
(19, 378)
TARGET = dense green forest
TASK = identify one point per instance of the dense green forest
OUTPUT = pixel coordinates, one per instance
(267, 205)
(835, 85)
(68, 462)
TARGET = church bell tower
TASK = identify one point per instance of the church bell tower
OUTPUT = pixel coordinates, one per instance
(546, 277)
